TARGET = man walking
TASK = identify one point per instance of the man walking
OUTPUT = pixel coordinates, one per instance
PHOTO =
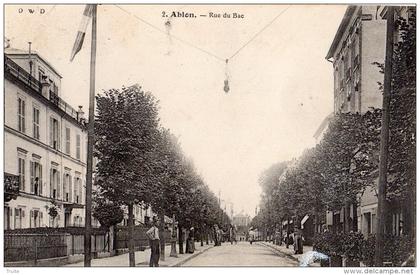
(153, 235)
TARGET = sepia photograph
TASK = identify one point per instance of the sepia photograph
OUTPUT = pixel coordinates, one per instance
(209, 135)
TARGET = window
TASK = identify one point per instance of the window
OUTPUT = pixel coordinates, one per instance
(67, 141)
(54, 184)
(67, 187)
(21, 173)
(19, 215)
(36, 123)
(367, 223)
(54, 133)
(397, 224)
(78, 189)
(78, 146)
(35, 218)
(36, 178)
(21, 115)
(7, 217)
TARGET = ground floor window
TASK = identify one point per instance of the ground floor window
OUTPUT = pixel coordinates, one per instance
(7, 217)
(19, 215)
(397, 224)
(36, 218)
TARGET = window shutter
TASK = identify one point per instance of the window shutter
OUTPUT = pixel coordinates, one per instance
(51, 182)
(31, 165)
(51, 131)
(81, 188)
(41, 219)
(64, 186)
(31, 218)
(23, 115)
(70, 189)
(58, 186)
(40, 183)
(75, 187)
(22, 213)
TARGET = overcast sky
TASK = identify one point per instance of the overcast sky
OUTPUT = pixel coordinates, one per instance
(281, 86)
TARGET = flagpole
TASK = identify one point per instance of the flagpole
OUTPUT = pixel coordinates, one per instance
(88, 209)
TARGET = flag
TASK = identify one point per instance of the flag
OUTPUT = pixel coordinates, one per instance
(87, 15)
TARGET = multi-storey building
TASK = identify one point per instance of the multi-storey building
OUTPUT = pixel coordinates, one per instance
(45, 145)
(357, 48)
(241, 219)
(358, 43)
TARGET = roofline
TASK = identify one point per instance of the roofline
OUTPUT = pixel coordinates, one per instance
(40, 57)
(344, 22)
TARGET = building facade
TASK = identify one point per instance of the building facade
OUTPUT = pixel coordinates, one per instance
(241, 219)
(358, 43)
(357, 48)
(45, 145)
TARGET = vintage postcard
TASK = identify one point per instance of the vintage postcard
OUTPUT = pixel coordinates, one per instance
(210, 135)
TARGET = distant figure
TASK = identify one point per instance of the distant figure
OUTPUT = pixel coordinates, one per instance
(232, 234)
(251, 237)
(190, 241)
(216, 235)
(153, 235)
(298, 242)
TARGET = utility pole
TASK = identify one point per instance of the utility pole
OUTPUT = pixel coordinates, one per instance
(383, 159)
(89, 169)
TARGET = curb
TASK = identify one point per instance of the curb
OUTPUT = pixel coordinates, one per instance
(191, 257)
(281, 252)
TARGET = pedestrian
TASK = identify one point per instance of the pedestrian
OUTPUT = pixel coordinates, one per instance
(298, 242)
(216, 241)
(251, 237)
(153, 236)
(190, 241)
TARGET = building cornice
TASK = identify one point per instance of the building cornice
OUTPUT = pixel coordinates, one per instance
(341, 29)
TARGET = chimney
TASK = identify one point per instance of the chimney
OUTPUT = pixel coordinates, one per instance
(45, 87)
(30, 58)
(80, 114)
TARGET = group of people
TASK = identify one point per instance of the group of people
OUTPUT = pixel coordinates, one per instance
(154, 242)
(296, 239)
(220, 236)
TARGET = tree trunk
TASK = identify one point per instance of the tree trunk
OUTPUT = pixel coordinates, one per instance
(347, 220)
(180, 240)
(207, 235)
(201, 236)
(131, 255)
(162, 236)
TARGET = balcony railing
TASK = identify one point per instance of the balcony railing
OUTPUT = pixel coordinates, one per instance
(14, 69)
(21, 74)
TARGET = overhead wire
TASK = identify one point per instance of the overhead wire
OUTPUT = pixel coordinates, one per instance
(259, 32)
(199, 48)
(173, 36)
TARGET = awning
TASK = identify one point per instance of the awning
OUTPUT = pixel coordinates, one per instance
(304, 220)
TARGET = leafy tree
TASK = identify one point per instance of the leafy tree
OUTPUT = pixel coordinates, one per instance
(402, 146)
(106, 212)
(126, 135)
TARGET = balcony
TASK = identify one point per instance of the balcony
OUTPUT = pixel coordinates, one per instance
(18, 72)
(23, 76)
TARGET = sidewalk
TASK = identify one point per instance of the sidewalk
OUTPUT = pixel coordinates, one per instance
(289, 251)
(142, 258)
